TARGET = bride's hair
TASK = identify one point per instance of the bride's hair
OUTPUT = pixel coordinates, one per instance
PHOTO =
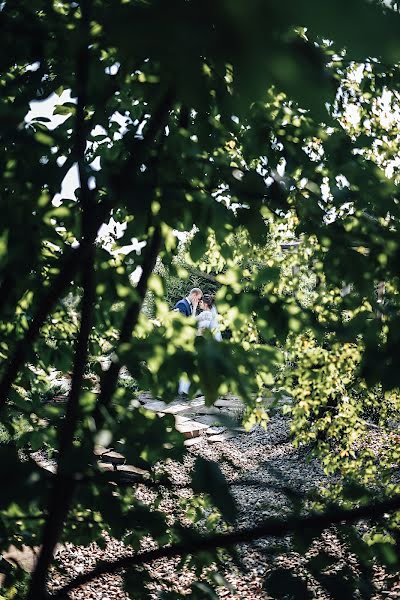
(209, 300)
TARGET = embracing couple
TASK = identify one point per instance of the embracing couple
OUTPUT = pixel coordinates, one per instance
(208, 315)
(206, 319)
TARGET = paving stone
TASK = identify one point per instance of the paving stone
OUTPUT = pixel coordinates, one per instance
(143, 401)
(234, 414)
(215, 430)
(191, 429)
(100, 450)
(182, 419)
(190, 413)
(200, 401)
(132, 469)
(157, 406)
(193, 441)
(207, 410)
(105, 466)
(174, 408)
(228, 403)
(207, 419)
(130, 473)
(201, 397)
(113, 457)
(220, 437)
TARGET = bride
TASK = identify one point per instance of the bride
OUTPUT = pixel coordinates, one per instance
(208, 317)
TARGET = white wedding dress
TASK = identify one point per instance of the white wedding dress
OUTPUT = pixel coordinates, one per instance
(207, 319)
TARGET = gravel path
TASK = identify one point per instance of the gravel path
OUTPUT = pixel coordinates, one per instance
(257, 465)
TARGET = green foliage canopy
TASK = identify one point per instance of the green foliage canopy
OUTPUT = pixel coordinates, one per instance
(235, 123)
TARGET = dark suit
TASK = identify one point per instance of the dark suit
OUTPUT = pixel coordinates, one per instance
(184, 307)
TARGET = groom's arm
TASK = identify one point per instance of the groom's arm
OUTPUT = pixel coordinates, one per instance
(181, 307)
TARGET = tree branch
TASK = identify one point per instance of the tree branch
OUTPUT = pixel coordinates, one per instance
(62, 492)
(272, 527)
(64, 481)
(64, 484)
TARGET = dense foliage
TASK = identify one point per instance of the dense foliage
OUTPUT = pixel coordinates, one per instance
(250, 125)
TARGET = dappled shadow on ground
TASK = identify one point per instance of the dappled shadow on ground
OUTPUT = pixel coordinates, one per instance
(268, 477)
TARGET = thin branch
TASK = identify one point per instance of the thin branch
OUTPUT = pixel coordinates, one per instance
(272, 527)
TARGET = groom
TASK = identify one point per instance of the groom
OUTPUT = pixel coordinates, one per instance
(188, 306)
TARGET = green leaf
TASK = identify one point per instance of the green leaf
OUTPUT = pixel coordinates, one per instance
(208, 478)
(198, 245)
(68, 108)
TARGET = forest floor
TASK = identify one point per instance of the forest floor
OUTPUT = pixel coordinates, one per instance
(258, 466)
